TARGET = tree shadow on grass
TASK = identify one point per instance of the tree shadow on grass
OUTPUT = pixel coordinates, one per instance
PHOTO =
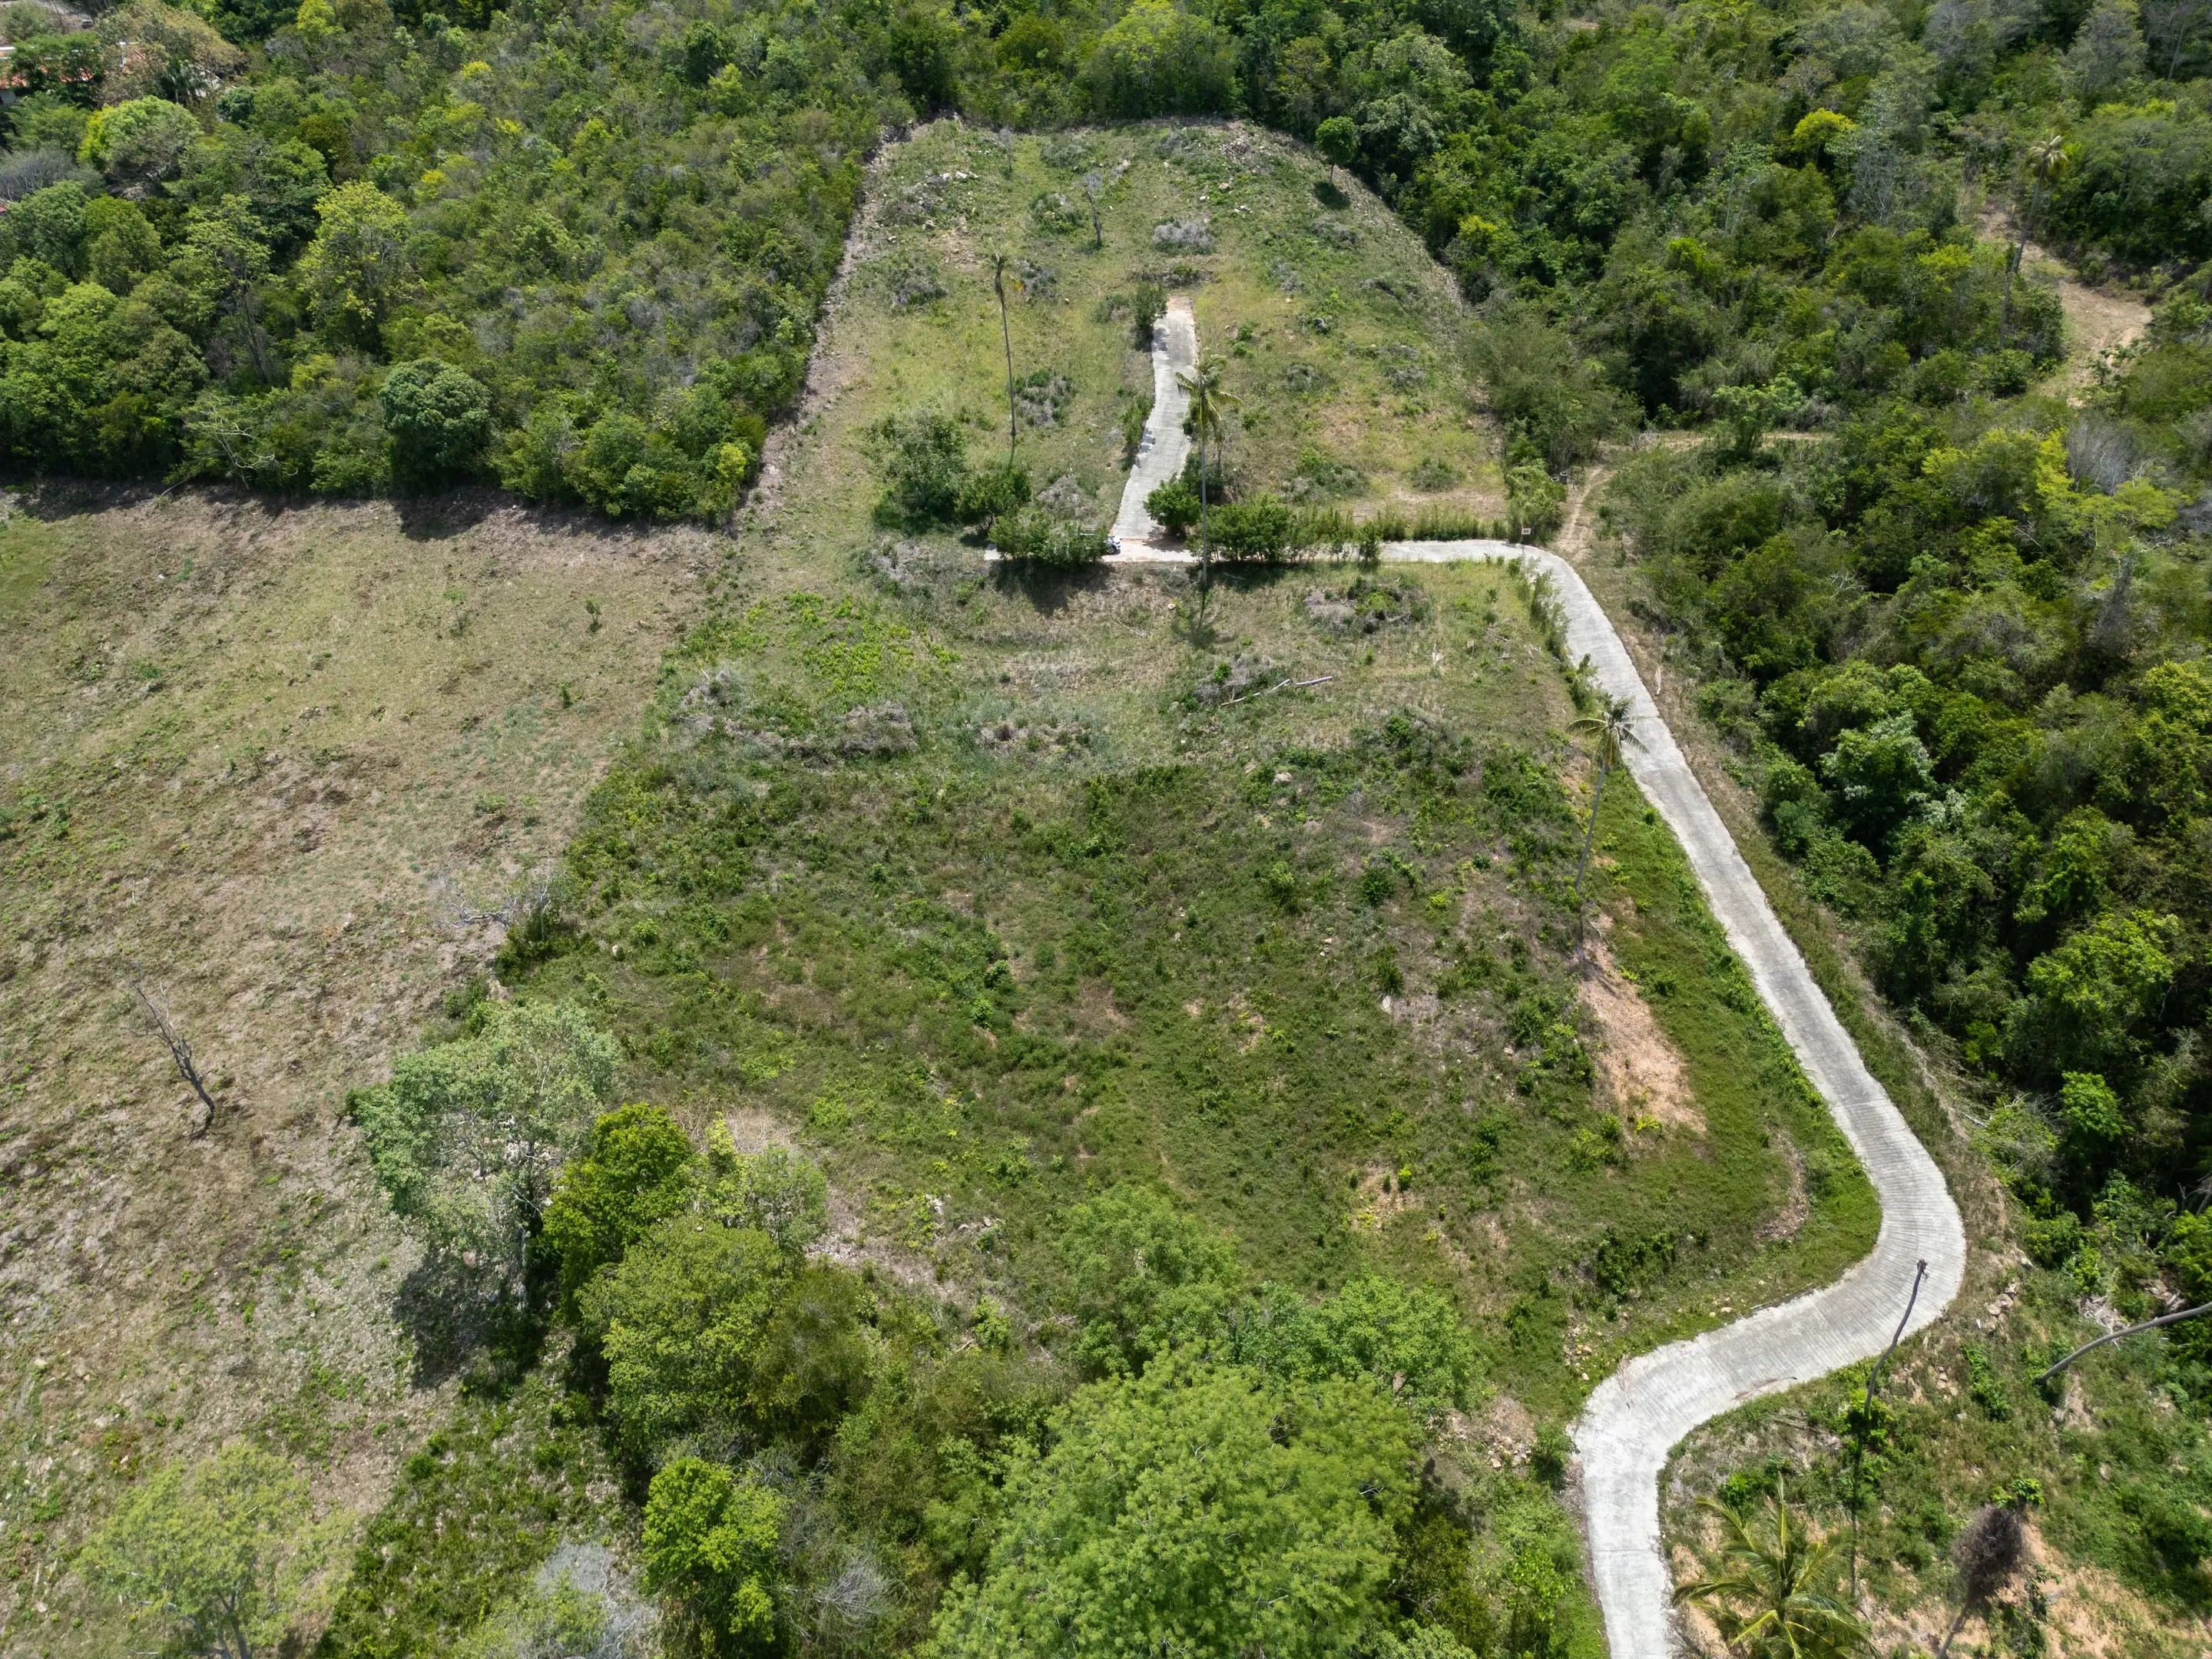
(457, 1324)
(1051, 589)
(439, 515)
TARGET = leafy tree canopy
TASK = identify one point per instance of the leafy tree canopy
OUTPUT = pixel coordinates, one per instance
(1197, 1507)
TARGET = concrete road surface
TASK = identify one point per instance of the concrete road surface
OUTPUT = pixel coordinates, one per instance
(1162, 451)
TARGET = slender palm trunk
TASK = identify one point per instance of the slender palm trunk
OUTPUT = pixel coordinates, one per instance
(1590, 833)
(1204, 523)
(1007, 338)
(2019, 256)
(1590, 830)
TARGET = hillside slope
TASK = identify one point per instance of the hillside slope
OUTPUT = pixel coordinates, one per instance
(1007, 896)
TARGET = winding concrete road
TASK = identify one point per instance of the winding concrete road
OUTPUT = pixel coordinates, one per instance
(1636, 1417)
(1164, 446)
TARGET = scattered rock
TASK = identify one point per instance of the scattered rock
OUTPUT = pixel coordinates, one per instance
(1039, 396)
(1231, 681)
(1366, 606)
(901, 563)
(1066, 496)
(911, 281)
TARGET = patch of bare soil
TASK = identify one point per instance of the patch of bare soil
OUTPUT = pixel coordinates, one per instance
(294, 766)
(1643, 1071)
(1380, 1198)
(2098, 320)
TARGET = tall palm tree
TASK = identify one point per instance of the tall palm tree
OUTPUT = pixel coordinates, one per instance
(999, 263)
(1210, 404)
(1607, 730)
(2048, 161)
(1765, 1594)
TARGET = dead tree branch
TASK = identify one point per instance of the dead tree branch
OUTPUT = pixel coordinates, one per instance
(179, 1047)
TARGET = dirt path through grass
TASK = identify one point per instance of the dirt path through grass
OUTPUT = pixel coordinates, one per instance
(2098, 320)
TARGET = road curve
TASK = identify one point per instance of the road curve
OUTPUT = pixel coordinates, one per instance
(1636, 1416)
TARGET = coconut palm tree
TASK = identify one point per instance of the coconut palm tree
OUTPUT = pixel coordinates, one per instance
(2048, 161)
(1607, 730)
(1764, 1594)
(1210, 404)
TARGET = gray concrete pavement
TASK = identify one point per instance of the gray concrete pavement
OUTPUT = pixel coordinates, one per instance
(1165, 445)
(1636, 1416)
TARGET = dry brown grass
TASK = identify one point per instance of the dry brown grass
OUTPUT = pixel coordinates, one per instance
(285, 760)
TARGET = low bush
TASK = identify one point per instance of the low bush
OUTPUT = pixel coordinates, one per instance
(1036, 537)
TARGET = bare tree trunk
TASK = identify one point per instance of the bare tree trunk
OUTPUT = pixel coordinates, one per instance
(180, 1050)
(1007, 338)
(1951, 1635)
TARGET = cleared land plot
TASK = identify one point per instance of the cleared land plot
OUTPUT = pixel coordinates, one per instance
(281, 761)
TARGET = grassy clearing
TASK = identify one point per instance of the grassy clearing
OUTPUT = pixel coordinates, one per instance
(992, 891)
(1345, 343)
(283, 759)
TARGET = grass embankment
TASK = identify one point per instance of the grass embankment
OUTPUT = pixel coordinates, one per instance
(279, 759)
(992, 892)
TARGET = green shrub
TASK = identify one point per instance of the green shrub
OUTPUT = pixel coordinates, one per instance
(467, 1137)
(993, 493)
(439, 421)
(1147, 307)
(924, 461)
(1039, 537)
(1255, 531)
(1145, 1276)
(1536, 501)
(1174, 506)
(709, 1542)
(633, 1173)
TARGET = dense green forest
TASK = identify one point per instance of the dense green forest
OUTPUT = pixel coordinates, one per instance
(580, 249)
